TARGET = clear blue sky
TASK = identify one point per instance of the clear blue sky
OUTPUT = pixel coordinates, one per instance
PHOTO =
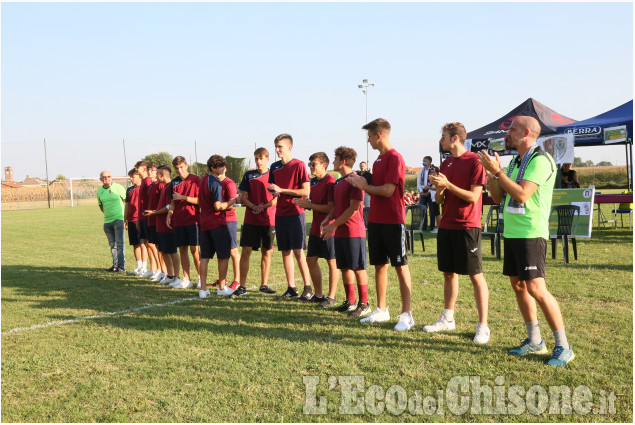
(232, 76)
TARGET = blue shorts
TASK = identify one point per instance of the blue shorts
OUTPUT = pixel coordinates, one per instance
(143, 230)
(216, 241)
(350, 253)
(186, 235)
(254, 236)
(152, 234)
(291, 232)
(166, 242)
(233, 233)
(133, 233)
(318, 247)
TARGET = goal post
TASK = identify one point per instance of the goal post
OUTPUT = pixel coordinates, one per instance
(86, 187)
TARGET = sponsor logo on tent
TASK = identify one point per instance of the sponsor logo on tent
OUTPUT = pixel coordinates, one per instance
(560, 119)
(507, 123)
(590, 131)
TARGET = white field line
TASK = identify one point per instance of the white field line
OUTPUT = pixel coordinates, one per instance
(115, 313)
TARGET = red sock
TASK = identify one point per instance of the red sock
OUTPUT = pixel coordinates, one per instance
(349, 289)
(363, 293)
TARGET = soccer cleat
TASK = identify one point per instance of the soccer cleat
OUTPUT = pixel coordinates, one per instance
(166, 280)
(346, 307)
(235, 285)
(561, 356)
(204, 294)
(198, 283)
(112, 269)
(528, 347)
(238, 292)
(225, 291)
(440, 325)
(134, 271)
(266, 290)
(141, 272)
(175, 282)
(482, 334)
(328, 302)
(156, 276)
(361, 310)
(405, 322)
(214, 284)
(377, 316)
(148, 273)
(316, 299)
(307, 294)
(290, 293)
(182, 284)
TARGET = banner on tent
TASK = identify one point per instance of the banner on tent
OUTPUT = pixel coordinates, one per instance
(615, 134)
(559, 146)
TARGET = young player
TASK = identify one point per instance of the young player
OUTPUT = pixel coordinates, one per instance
(214, 235)
(154, 191)
(184, 217)
(229, 192)
(289, 179)
(321, 202)
(143, 168)
(350, 234)
(258, 228)
(165, 235)
(131, 223)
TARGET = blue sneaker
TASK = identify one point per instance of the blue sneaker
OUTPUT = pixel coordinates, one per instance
(561, 356)
(528, 347)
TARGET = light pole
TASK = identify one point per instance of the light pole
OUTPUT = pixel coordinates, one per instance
(364, 86)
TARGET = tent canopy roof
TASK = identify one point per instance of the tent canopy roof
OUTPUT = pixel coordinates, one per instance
(590, 131)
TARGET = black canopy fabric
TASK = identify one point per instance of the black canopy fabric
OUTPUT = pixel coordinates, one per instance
(548, 118)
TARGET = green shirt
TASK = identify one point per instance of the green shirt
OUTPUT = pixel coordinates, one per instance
(534, 223)
(112, 200)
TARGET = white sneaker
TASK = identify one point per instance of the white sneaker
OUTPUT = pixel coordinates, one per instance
(140, 271)
(204, 294)
(183, 284)
(440, 325)
(198, 283)
(225, 291)
(156, 276)
(166, 280)
(176, 282)
(148, 273)
(405, 323)
(435, 230)
(377, 316)
(482, 334)
(134, 271)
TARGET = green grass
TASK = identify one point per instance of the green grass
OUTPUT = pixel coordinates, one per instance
(219, 360)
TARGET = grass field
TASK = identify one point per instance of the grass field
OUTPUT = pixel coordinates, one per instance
(218, 359)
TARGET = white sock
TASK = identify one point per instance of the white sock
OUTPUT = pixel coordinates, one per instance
(144, 265)
(448, 314)
(139, 264)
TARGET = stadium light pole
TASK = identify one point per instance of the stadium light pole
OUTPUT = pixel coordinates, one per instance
(46, 165)
(364, 86)
(125, 160)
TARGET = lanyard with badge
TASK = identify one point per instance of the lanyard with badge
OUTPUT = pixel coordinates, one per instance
(513, 206)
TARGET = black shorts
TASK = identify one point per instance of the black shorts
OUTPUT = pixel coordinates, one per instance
(186, 235)
(133, 233)
(350, 253)
(291, 232)
(233, 233)
(387, 241)
(459, 251)
(255, 236)
(152, 234)
(166, 242)
(318, 247)
(216, 241)
(433, 210)
(143, 230)
(524, 258)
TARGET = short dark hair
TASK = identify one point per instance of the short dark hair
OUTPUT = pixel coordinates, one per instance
(166, 168)
(348, 155)
(216, 161)
(320, 156)
(261, 152)
(178, 160)
(143, 163)
(428, 158)
(455, 129)
(282, 137)
(378, 125)
(132, 172)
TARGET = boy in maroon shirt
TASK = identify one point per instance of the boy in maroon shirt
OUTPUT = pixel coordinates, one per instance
(143, 168)
(131, 219)
(184, 217)
(289, 179)
(459, 188)
(350, 234)
(154, 191)
(386, 223)
(321, 202)
(258, 228)
(229, 192)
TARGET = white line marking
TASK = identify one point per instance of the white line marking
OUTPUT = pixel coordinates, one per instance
(115, 313)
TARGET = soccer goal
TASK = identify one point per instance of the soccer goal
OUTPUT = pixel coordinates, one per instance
(85, 188)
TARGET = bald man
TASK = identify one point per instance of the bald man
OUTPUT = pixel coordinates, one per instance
(526, 190)
(111, 197)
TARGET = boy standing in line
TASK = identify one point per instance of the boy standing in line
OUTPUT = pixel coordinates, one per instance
(131, 217)
(230, 191)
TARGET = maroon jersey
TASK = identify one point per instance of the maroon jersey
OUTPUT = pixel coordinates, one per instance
(322, 192)
(143, 196)
(344, 193)
(229, 192)
(185, 214)
(164, 199)
(388, 168)
(462, 172)
(255, 184)
(288, 176)
(210, 191)
(132, 198)
(154, 191)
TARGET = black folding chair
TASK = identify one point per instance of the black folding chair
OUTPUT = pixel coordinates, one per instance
(494, 229)
(417, 214)
(566, 229)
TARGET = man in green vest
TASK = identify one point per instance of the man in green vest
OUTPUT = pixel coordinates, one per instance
(110, 198)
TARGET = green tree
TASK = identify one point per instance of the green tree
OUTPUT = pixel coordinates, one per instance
(236, 167)
(604, 164)
(577, 162)
(161, 158)
(61, 177)
(198, 168)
